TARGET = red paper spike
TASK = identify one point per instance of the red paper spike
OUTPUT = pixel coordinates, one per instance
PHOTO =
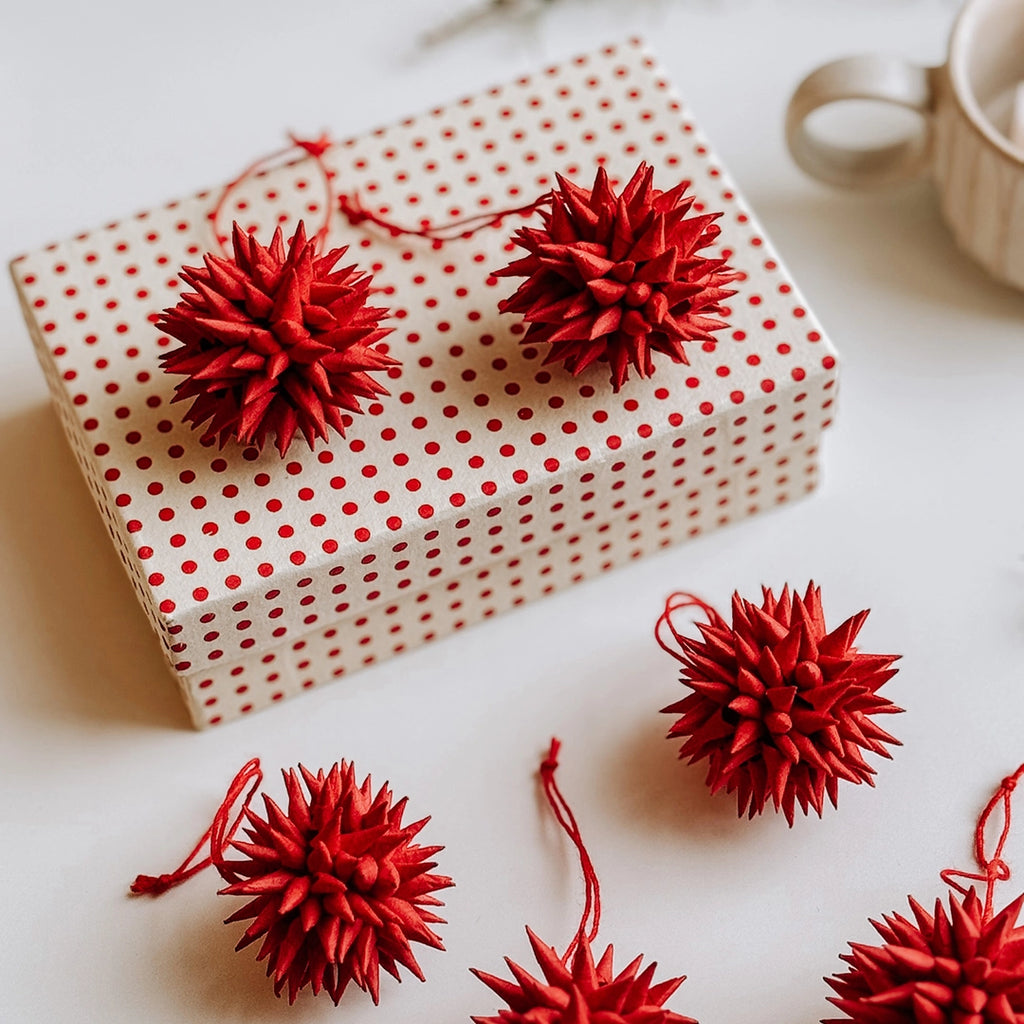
(781, 708)
(275, 342)
(964, 967)
(573, 988)
(337, 890)
(617, 278)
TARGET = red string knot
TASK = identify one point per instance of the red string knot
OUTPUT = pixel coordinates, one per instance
(550, 763)
(314, 147)
(997, 870)
(1009, 784)
(353, 209)
(152, 885)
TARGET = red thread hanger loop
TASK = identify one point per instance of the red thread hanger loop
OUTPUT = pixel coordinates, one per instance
(591, 919)
(219, 835)
(313, 148)
(674, 603)
(993, 869)
(352, 207)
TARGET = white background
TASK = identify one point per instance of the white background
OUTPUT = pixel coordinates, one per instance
(110, 107)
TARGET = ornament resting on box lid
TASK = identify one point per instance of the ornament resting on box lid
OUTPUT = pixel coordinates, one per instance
(964, 967)
(575, 989)
(275, 341)
(337, 889)
(781, 707)
(618, 278)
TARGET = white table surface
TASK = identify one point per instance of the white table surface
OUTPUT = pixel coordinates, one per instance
(116, 105)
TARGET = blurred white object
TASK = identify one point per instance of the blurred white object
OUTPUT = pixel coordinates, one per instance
(479, 14)
(972, 137)
(1017, 118)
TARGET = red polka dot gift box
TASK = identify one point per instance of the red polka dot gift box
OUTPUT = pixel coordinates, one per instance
(486, 477)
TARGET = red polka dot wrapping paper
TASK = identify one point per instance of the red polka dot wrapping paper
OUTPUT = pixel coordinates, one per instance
(485, 480)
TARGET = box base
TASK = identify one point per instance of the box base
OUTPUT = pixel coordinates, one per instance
(388, 628)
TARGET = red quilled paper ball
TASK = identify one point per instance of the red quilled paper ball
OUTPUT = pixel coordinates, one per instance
(617, 278)
(781, 708)
(338, 891)
(275, 342)
(581, 992)
(937, 969)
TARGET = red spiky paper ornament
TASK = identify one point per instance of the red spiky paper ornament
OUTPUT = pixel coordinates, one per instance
(781, 708)
(573, 988)
(275, 342)
(617, 278)
(964, 967)
(336, 888)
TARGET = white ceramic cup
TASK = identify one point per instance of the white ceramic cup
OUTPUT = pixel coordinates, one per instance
(972, 141)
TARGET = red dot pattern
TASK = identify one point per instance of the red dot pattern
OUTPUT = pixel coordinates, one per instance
(445, 607)
(486, 479)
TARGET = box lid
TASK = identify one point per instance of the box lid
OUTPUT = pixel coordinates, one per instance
(480, 450)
